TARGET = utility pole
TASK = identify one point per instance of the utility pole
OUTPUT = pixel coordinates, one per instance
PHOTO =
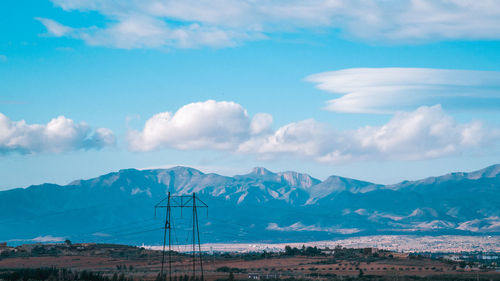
(181, 201)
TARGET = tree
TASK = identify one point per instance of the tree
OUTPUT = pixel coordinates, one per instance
(289, 251)
(310, 251)
(231, 276)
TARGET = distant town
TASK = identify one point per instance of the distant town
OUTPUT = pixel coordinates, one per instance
(396, 243)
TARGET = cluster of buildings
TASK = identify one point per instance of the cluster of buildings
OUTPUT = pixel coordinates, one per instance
(395, 243)
(5, 248)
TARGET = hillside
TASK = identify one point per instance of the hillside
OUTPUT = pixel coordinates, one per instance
(259, 206)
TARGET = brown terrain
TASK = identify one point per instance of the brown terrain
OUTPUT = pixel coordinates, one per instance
(143, 264)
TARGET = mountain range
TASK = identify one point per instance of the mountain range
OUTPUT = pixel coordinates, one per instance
(261, 206)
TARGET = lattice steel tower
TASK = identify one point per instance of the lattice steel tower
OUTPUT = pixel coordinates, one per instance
(181, 201)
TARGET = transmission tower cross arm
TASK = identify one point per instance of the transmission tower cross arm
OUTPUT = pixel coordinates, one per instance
(182, 201)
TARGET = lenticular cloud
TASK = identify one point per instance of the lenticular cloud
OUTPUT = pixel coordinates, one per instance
(387, 90)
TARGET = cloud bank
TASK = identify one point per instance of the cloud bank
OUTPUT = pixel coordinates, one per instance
(220, 23)
(386, 90)
(59, 135)
(427, 132)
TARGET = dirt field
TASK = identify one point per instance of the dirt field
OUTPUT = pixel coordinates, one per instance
(145, 264)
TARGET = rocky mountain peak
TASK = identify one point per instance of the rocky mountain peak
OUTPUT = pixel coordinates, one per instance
(261, 171)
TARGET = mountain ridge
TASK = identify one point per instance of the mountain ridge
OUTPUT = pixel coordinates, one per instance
(492, 170)
(259, 206)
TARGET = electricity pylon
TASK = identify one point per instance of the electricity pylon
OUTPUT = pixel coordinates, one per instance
(180, 201)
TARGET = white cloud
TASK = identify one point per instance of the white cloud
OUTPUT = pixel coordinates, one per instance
(422, 134)
(201, 125)
(139, 31)
(261, 123)
(384, 90)
(306, 138)
(218, 23)
(427, 132)
(54, 28)
(59, 135)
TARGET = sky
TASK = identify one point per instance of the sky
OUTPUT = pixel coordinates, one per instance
(377, 90)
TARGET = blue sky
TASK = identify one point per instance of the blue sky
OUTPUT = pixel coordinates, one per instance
(363, 89)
